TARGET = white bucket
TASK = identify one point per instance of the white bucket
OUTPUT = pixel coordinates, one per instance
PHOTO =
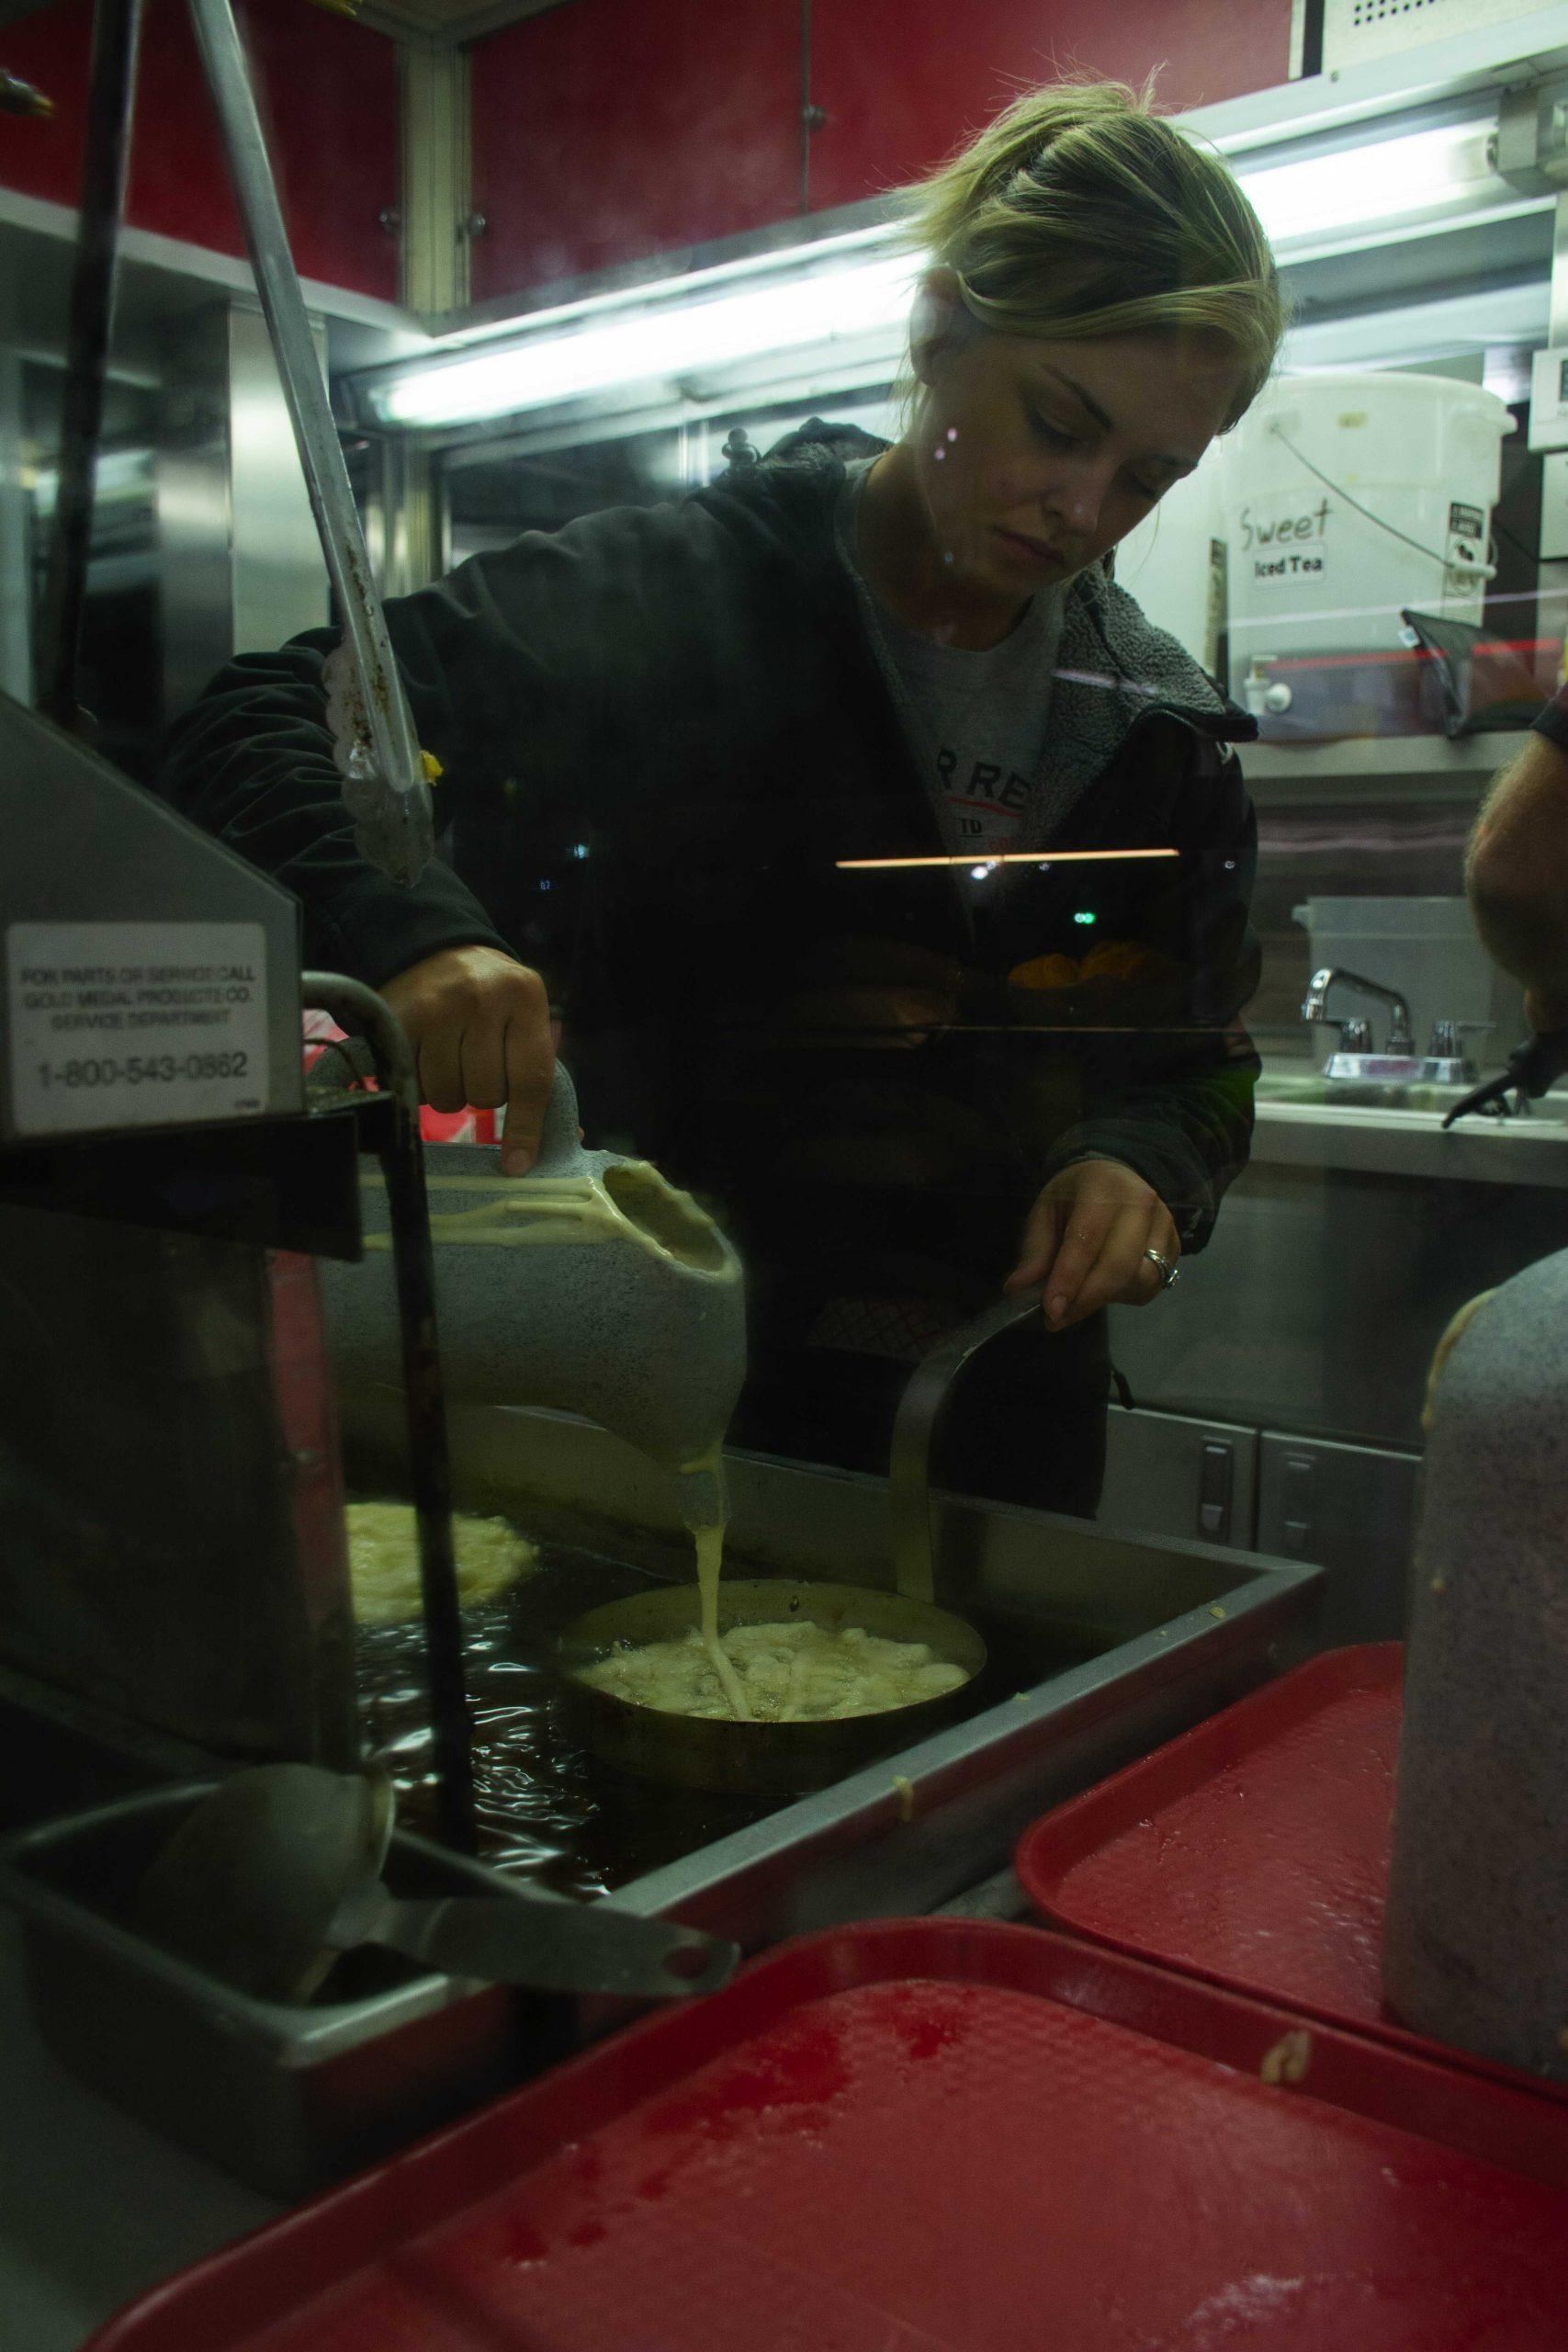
(1311, 572)
(1174, 563)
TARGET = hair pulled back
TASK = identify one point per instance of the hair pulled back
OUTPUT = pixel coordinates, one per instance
(1080, 212)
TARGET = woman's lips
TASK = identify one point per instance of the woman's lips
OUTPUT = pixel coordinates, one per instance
(1039, 553)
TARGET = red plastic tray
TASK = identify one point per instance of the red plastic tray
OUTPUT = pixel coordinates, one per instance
(1253, 1851)
(924, 2134)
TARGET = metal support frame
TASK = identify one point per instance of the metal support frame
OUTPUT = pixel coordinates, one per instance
(401, 519)
(1557, 316)
(384, 781)
(16, 508)
(239, 558)
(1554, 463)
(292, 1185)
(437, 217)
(365, 1015)
(288, 1183)
(117, 30)
(1532, 153)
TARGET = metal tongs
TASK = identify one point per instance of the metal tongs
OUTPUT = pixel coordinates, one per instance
(385, 786)
(1530, 1069)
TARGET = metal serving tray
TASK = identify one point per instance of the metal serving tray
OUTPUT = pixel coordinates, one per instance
(285, 2098)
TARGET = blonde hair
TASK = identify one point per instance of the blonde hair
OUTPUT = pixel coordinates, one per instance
(1079, 212)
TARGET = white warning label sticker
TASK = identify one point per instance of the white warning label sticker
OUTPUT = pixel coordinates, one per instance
(135, 1024)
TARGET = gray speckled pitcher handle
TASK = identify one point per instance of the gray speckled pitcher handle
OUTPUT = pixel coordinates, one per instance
(561, 1146)
(561, 1152)
(649, 1342)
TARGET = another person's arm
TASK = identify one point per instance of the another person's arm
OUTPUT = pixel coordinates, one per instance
(1170, 1127)
(252, 762)
(478, 1022)
(1516, 869)
(1084, 1241)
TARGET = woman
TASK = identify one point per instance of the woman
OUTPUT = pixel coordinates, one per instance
(686, 748)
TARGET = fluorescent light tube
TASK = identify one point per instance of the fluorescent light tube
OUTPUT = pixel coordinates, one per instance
(797, 306)
(1385, 180)
(686, 336)
(1004, 857)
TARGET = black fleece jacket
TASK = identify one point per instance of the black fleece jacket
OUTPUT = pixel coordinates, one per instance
(661, 730)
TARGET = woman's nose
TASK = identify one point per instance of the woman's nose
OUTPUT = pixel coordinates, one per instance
(1076, 502)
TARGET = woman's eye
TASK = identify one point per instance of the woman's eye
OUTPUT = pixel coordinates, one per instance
(1052, 435)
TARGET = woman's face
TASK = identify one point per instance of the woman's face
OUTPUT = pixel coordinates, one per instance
(1033, 457)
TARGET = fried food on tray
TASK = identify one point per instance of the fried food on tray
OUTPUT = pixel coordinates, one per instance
(790, 1673)
(383, 1559)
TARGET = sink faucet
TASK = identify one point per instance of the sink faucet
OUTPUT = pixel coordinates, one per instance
(1401, 1037)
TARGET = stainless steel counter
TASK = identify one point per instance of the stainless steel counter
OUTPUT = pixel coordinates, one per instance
(94, 2206)
(1102, 1646)
(1341, 1251)
(1370, 1140)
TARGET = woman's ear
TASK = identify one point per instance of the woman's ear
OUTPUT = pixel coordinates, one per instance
(938, 323)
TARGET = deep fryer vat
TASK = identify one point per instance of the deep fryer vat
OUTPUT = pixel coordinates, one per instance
(1099, 1647)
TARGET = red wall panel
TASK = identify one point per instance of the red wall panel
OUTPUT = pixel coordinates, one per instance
(904, 81)
(327, 90)
(611, 128)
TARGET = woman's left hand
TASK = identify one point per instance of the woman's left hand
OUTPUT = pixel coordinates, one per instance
(1083, 1244)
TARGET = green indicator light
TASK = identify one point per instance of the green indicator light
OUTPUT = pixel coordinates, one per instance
(1086, 918)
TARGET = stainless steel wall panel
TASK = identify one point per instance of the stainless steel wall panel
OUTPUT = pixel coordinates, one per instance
(1167, 1474)
(280, 580)
(1318, 1303)
(240, 561)
(16, 549)
(1352, 1511)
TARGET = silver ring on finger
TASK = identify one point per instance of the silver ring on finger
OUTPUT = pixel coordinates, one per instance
(1168, 1270)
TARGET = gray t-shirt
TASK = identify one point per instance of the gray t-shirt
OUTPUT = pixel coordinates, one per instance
(975, 721)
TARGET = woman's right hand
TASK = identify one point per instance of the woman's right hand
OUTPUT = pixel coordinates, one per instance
(479, 1028)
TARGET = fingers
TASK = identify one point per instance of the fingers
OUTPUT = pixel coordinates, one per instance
(439, 1055)
(1102, 1260)
(530, 1064)
(482, 1053)
(1042, 1236)
(1085, 1242)
(480, 1027)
